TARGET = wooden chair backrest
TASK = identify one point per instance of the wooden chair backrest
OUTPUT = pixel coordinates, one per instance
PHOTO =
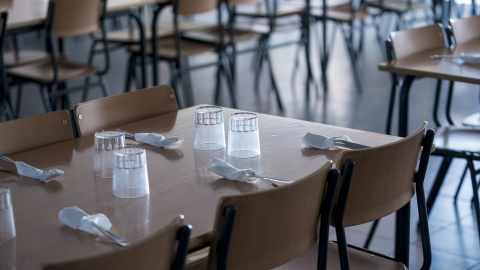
(382, 181)
(114, 111)
(273, 226)
(241, 2)
(32, 132)
(413, 41)
(465, 29)
(155, 252)
(73, 18)
(192, 7)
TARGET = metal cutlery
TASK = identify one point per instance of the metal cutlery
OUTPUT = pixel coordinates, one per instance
(350, 145)
(7, 159)
(128, 134)
(268, 180)
(115, 238)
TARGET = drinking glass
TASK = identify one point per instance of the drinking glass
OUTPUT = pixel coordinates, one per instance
(209, 128)
(130, 174)
(7, 223)
(243, 136)
(106, 141)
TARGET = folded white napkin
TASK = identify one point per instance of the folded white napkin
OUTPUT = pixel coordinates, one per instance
(322, 142)
(158, 140)
(226, 170)
(32, 172)
(77, 219)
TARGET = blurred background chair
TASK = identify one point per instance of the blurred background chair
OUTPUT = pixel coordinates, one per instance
(178, 49)
(23, 134)
(265, 229)
(164, 250)
(114, 111)
(238, 30)
(65, 19)
(352, 17)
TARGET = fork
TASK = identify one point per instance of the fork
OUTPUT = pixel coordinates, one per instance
(7, 159)
(117, 239)
(350, 145)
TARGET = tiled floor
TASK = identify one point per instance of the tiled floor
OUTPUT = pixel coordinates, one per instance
(455, 240)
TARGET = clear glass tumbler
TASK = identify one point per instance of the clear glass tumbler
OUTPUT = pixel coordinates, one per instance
(209, 128)
(106, 141)
(7, 223)
(243, 136)
(130, 173)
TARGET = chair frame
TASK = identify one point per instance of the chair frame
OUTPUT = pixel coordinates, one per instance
(4, 92)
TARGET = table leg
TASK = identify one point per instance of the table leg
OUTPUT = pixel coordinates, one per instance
(403, 108)
(402, 229)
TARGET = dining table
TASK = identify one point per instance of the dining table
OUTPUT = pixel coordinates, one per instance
(424, 65)
(29, 15)
(179, 181)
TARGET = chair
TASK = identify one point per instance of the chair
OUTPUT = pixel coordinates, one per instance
(237, 32)
(275, 16)
(405, 43)
(384, 180)
(400, 8)
(262, 230)
(349, 16)
(458, 141)
(463, 31)
(5, 108)
(114, 111)
(36, 131)
(65, 19)
(177, 50)
(165, 249)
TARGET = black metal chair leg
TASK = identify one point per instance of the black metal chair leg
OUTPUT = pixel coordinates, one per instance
(442, 171)
(46, 97)
(371, 233)
(460, 184)
(104, 85)
(272, 75)
(130, 72)
(476, 203)
(19, 100)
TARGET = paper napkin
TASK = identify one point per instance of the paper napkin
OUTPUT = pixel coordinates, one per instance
(32, 172)
(226, 170)
(77, 219)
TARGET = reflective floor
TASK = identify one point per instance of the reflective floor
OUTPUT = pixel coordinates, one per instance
(455, 240)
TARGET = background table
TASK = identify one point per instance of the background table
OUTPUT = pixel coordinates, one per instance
(421, 65)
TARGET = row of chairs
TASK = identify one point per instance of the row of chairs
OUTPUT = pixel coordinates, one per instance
(247, 233)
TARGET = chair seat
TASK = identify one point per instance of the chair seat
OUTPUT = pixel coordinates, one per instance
(397, 6)
(167, 48)
(342, 13)
(164, 30)
(358, 258)
(43, 72)
(23, 57)
(212, 35)
(458, 139)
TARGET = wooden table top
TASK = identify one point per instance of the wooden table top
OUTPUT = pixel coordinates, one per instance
(28, 13)
(179, 184)
(422, 65)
